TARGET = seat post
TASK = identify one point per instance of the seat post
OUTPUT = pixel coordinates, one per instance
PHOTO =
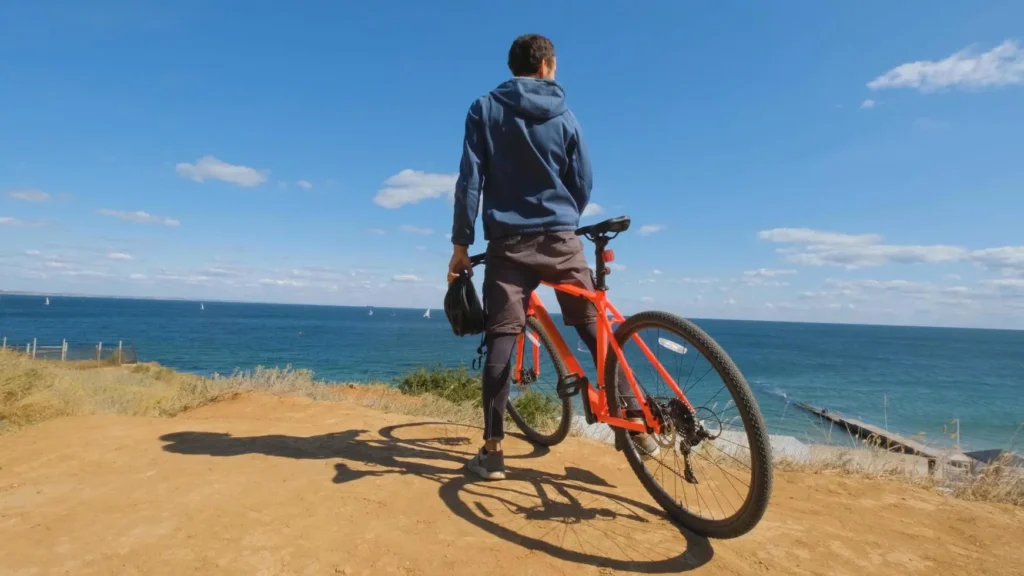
(600, 243)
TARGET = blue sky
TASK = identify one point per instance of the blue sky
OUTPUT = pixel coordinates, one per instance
(852, 162)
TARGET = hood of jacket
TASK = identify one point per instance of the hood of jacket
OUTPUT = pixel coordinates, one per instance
(531, 98)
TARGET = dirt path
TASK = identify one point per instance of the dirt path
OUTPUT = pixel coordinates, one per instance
(264, 485)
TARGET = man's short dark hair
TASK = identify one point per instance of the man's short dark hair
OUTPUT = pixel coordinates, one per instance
(527, 53)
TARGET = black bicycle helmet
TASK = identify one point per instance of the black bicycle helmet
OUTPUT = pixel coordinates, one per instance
(462, 306)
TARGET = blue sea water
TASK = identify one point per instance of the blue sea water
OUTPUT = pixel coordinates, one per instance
(914, 379)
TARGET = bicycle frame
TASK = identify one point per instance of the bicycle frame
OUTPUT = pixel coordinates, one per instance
(605, 338)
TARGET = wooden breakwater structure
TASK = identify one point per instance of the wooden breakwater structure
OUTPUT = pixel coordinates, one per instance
(119, 353)
(890, 441)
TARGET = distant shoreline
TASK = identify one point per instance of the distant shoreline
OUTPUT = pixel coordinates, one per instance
(438, 304)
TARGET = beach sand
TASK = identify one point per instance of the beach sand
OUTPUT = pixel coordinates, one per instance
(267, 485)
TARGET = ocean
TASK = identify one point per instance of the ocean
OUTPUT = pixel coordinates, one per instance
(915, 380)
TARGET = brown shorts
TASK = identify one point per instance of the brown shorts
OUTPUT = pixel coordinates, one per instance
(517, 265)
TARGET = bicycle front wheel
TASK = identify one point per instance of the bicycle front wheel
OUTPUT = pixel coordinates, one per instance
(712, 469)
(533, 402)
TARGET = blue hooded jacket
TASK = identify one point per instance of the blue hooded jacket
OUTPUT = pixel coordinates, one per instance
(523, 151)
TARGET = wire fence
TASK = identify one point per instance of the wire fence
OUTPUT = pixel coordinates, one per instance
(112, 353)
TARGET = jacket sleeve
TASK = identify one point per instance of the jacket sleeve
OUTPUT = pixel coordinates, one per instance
(581, 180)
(470, 183)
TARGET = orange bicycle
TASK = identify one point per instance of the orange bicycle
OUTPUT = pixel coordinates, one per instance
(713, 452)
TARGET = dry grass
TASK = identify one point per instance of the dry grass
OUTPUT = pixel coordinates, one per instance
(33, 391)
(1000, 482)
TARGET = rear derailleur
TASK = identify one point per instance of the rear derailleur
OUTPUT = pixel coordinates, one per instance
(679, 423)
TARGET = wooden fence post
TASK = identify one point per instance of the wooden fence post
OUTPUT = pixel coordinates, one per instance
(99, 352)
(64, 350)
(33, 348)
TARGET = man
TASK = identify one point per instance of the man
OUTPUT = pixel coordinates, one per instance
(524, 153)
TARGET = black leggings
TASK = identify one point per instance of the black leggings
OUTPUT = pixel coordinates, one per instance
(497, 380)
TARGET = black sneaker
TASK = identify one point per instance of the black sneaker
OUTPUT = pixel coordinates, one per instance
(488, 465)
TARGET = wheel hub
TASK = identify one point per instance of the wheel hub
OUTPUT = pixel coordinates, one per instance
(526, 377)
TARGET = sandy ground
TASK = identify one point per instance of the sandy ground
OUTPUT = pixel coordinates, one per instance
(265, 485)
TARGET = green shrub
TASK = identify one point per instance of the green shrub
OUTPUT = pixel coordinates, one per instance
(538, 410)
(453, 384)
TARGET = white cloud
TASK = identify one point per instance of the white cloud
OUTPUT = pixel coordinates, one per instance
(766, 277)
(412, 186)
(656, 272)
(867, 104)
(1000, 66)
(119, 256)
(9, 221)
(767, 273)
(304, 184)
(87, 273)
(378, 231)
(876, 255)
(1006, 284)
(855, 251)
(808, 236)
(186, 278)
(415, 230)
(702, 281)
(614, 266)
(281, 282)
(1007, 258)
(729, 301)
(29, 195)
(904, 286)
(592, 209)
(137, 276)
(648, 229)
(405, 278)
(210, 168)
(865, 250)
(138, 216)
(221, 272)
(646, 299)
(448, 236)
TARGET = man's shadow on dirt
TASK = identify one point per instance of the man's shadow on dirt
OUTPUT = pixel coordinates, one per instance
(572, 498)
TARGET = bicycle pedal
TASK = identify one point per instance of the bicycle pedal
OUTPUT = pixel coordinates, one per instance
(570, 386)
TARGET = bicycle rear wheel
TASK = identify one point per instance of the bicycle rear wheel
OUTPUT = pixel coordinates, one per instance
(713, 469)
(533, 402)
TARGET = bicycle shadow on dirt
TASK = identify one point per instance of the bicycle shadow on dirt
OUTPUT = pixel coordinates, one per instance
(576, 516)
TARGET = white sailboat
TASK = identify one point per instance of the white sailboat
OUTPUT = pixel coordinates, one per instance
(47, 301)
(427, 314)
(201, 307)
(371, 312)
